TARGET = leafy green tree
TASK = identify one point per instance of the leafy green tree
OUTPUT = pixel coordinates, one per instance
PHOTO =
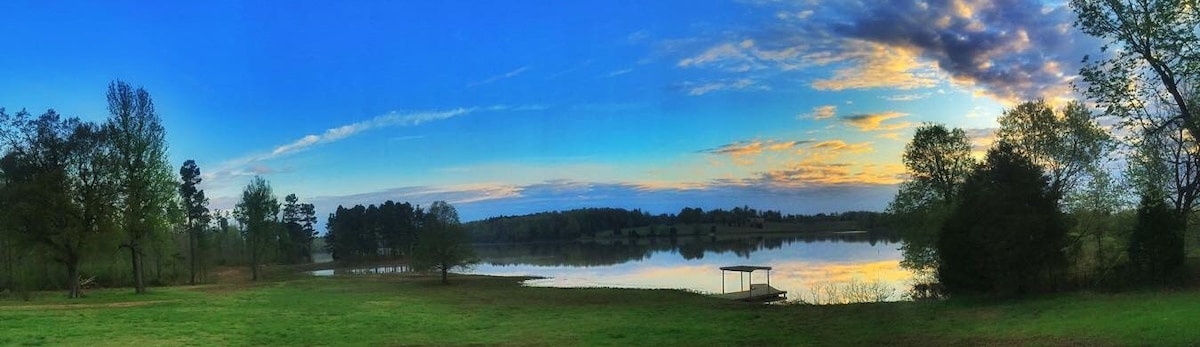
(937, 160)
(1006, 233)
(1148, 78)
(443, 243)
(59, 184)
(147, 187)
(1094, 209)
(1066, 144)
(195, 207)
(258, 212)
(1156, 244)
(1151, 61)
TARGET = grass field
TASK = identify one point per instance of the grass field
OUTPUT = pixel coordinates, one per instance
(405, 310)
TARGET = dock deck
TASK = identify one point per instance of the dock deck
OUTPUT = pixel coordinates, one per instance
(757, 292)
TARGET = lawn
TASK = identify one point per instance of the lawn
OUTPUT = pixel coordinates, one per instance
(407, 310)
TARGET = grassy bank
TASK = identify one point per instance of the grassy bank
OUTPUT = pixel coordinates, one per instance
(399, 310)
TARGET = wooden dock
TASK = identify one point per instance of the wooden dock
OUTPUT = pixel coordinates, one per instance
(759, 292)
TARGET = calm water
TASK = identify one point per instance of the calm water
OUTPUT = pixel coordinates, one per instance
(801, 262)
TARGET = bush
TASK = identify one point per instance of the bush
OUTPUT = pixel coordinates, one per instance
(854, 291)
(1156, 244)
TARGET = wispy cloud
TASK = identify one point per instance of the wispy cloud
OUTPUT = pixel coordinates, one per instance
(618, 73)
(745, 152)
(875, 121)
(697, 89)
(637, 37)
(842, 146)
(820, 112)
(794, 15)
(906, 97)
(386, 120)
(255, 164)
(753, 147)
(506, 75)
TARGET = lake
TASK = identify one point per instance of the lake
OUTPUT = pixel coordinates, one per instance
(801, 262)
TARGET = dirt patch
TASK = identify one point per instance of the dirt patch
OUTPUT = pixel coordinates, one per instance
(85, 306)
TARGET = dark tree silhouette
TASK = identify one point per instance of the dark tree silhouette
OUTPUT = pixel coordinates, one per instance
(1006, 234)
(1156, 243)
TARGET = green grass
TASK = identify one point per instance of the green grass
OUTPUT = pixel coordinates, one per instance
(400, 310)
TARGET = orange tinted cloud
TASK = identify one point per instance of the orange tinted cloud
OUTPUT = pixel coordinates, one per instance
(820, 112)
(881, 66)
(842, 146)
(875, 121)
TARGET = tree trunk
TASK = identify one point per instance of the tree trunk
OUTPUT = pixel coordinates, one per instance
(444, 279)
(73, 279)
(253, 264)
(192, 250)
(139, 285)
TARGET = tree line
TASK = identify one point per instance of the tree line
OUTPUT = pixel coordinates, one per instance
(590, 222)
(430, 239)
(78, 199)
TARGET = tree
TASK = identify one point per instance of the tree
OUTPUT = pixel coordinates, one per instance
(308, 230)
(1093, 208)
(299, 230)
(443, 242)
(1154, 61)
(938, 160)
(1149, 79)
(1006, 233)
(147, 188)
(195, 207)
(1065, 143)
(59, 184)
(258, 211)
(1156, 243)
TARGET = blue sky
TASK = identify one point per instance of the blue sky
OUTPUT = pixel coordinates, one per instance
(519, 107)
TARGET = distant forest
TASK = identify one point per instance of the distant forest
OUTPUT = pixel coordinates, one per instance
(389, 230)
(616, 222)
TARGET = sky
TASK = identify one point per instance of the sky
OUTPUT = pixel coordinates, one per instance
(514, 107)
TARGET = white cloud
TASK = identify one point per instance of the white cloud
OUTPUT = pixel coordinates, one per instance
(386, 120)
(250, 165)
(506, 75)
(618, 72)
(697, 89)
